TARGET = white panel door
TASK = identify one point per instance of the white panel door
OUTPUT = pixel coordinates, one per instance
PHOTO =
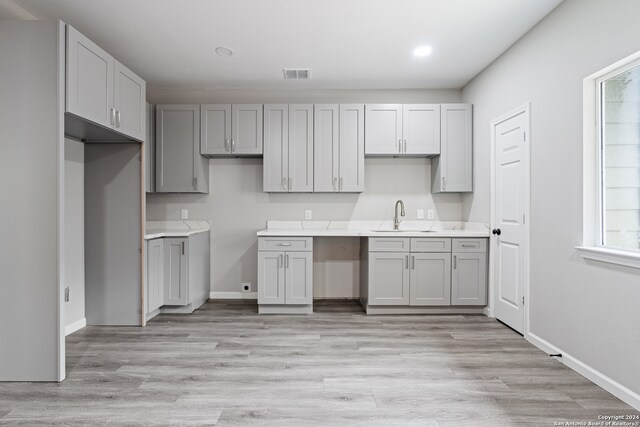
(456, 159)
(215, 129)
(508, 233)
(155, 274)
(275, 165)
(351, 167)
(175, 271)
(271, 276)
(246, 124)
(421, 129)
(388, 278)
(301, 147)
(298, 277)
(469, 279)
(325, 147)
(129, 101)
(430, 279)
(89, 80)
(383, 129)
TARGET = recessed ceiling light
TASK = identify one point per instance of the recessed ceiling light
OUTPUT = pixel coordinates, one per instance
(422, 51)
(224, 51)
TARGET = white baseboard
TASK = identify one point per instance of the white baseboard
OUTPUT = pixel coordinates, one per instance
(621, 392)
(487, 312)
(234, 295)
(75, 326)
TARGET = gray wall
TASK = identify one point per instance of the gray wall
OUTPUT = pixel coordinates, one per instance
(237, 208)
(31, 201)
(74, 229)
(588, 310)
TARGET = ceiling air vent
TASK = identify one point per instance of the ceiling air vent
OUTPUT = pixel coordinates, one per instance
(294, 74)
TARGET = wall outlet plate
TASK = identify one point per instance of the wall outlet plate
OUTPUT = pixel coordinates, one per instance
(431, 214)
(420, 214)
(246, 287)
(307, 214)
(184, 214)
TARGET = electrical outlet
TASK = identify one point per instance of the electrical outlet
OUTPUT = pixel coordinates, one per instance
(307, 214)
(66, 294)
(431, 214)
(420, 214)
(184, 214)
(246, 287)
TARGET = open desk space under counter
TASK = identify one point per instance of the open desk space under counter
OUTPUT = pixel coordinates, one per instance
(177, 266)
(423, 267)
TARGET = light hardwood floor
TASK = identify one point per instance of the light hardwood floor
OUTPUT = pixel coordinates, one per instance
(226, 365)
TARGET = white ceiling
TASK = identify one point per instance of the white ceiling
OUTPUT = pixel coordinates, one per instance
(348, 44)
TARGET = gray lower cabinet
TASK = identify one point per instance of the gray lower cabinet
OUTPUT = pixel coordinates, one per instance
(430, 279)
(179, 166)
(285, 272)
(389, 278)
(469, 272)
(176, 291)
(155, 274)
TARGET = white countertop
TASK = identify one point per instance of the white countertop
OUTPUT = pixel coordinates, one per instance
(157, 229)
(375, 229)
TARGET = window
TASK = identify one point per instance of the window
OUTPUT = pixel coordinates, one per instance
(618, 157)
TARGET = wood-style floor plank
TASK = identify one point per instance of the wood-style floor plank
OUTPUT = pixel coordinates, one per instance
(225, 365)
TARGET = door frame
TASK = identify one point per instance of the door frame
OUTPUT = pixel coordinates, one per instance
(526, 109)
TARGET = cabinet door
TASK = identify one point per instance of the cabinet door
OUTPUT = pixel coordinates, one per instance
(456, 159)
(150, 150)
(89, 80)
(469, 279)
(215, 129)
(175, 271)
(325, 148)
(177, 148)
(275, 165)
(298, 277)
(430, 279)
(301, 148)
(421, 129)
(351, 167)
(388, 278)
(246, 134)
(155, 274)
(383, 129)
(271, 274)
(129, 101)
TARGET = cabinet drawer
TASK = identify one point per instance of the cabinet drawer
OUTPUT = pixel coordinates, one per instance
(285, 244)
(388, 244)
(430, 244)
(469, 245)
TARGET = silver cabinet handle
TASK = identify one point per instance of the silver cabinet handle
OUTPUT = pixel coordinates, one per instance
(182, 248)
(226, 145)
(290, 184)
(455, 262)
(413, 262)
(406, 261)
(334, 184)
(444, 183)
(112, 116)
(280, 260)
(284, 244)
(399, 146)
(405, 146)
(286, 261)
(340, 184)
(233, 145)
(195, 182)
(468, 245)
(117, 119)
(284, 183)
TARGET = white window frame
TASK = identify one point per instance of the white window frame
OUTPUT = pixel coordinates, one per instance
(592, 247)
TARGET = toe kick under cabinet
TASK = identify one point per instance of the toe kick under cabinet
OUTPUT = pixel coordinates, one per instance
(285, 275)
(423, 275)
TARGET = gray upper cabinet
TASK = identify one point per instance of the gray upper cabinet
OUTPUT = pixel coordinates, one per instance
(150, 150)
(288, 148)
(421, 129)
(452, 171)
(101, 90)
(176, 277)
(179, 166)
(89, 80)
(231, 129)
(383, 129)
(338, 148)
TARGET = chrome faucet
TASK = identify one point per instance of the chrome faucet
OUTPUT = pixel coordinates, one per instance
(396, 220)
